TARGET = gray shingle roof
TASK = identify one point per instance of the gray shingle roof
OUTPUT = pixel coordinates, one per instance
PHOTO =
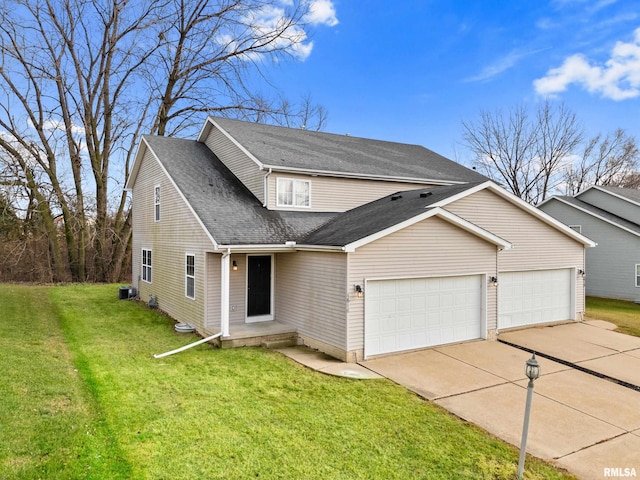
(230, 212)
(376, 216)
(282, 147)
(634, 227)
(628, 193)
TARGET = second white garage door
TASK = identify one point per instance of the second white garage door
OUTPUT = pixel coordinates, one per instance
(532, 297)
(405, 314)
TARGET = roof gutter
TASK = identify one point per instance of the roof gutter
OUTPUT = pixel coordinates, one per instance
(359, 176)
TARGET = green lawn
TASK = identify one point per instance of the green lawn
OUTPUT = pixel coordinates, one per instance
(83, 397)
(626, 315)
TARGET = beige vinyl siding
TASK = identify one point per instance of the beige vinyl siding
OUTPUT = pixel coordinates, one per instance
(429, 248)
(332, 194)
(536, 245)
(177, 233)
(237, 161)
(311, 294)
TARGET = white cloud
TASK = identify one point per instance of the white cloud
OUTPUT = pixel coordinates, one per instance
(617, 79)
(322, 12)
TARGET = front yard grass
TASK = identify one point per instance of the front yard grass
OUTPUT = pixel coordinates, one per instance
(83, 397)
(626, 315)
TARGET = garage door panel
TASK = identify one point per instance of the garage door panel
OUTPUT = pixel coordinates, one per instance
(533, 297)
(405, 314)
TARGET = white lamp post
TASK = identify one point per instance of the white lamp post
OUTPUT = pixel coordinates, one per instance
(532, 370)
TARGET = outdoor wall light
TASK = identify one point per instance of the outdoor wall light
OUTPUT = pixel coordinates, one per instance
(532, 371)
(359, 291)
(582, 272)
(493, 281)
(234, 265)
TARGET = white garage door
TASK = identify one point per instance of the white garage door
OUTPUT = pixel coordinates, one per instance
(405, 314)
(528, 298)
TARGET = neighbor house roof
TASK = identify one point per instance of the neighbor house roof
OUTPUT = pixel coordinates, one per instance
(629, 194)
(596, 212)
(296, 150)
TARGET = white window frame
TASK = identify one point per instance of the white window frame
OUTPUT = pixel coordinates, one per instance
(146, 265)
(156, 203)
(577, 228)
(637, 275)
(188, 276)
(295, 182)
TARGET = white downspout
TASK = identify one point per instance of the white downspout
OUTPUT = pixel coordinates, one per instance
(186, 347)
(224, 293)
(266, 188)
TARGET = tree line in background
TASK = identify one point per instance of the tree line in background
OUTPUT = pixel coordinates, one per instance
(535, 154)
(80, 81)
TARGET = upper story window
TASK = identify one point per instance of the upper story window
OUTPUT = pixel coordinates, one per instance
(190, 276)
(293, 193)
(156, 203)
(146, 265)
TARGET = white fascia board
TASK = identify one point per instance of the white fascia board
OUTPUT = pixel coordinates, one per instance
(137, 159)
(510, 197)
(359, 176)
(184, 199)
(204, 131)
(439, 212)
(595, 215)
(249, 248)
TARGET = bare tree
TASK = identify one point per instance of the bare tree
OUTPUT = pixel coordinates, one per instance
(80, 81)
(610, 159)
(523, 150)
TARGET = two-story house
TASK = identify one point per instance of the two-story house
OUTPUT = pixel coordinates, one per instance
(357, 247)
(611, 217)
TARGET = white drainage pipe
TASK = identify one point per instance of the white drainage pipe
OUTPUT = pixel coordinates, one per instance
(186, 347)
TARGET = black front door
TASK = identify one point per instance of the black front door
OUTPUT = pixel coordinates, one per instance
(259, 285)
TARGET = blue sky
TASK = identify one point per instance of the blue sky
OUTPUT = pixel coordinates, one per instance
(411, 71)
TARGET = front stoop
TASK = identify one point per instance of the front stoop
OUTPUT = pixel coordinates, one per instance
(275, 340)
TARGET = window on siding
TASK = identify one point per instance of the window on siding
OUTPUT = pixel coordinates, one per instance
(577, 228)
(637, 275)
(156, 203)
(293, 193)
(146, 265)
(190, 276)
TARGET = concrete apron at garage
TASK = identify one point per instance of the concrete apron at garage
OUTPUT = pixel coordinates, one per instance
(579, 421)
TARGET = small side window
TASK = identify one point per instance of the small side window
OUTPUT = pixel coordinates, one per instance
(190, 276)
(637, 275)
(156, 203)
(146, 265)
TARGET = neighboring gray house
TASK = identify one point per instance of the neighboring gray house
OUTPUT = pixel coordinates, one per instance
(352, 246)
(610, 216)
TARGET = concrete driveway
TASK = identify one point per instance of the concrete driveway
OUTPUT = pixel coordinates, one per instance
(580, 422)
